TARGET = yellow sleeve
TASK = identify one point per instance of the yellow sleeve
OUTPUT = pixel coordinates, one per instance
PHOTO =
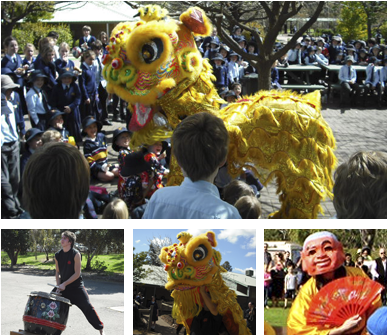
(268, 330)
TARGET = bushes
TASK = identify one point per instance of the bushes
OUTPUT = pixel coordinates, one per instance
(32, 32)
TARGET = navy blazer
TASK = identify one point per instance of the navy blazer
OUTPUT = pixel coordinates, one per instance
(59, 99)
(49, 70)
(221, 74)
(7, 63)
(19, 113)
(81, 41)
(87, 82)
(60, 64)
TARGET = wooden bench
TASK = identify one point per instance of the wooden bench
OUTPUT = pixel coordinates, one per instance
(337, 87)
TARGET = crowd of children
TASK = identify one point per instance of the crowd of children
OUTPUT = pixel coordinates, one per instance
(66, 103)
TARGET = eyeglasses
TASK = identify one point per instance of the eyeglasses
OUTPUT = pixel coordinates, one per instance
(382, 252)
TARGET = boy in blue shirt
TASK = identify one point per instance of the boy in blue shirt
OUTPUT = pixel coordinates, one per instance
(200, 145)
(349, 88)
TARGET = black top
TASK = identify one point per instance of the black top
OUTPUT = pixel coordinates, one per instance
(66, 267)
(206, 324)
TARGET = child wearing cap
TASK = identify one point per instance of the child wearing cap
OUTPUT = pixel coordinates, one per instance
(56, 123)
(350, 90)
(33, 141)
(233, 68)
(220, 72)
(37, 101)
(96, 151)
(230, 97)
(66, 97)
(213, 50)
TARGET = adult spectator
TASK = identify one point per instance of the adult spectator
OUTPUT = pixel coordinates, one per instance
(10, 204)
(379, 273)
(267, 255)
(56, 182)
(250, 317)
(360, 187)
(277, 275)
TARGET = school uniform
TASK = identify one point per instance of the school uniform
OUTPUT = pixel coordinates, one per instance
(233, 72)
(19, 113)
(346, 75)
(87, 84)
(221, 74)
(275, 78)
(383, 82)
(96, 153)
(64, 132)
(68, 96)
(294, 56)
(13, 63)
(23, 161)
(38, 107)
(89, 40)
(312, 60)
(100, 85)
(49, 70)
(333, 52)
(27, 62)
(61, 64)
(372, 80)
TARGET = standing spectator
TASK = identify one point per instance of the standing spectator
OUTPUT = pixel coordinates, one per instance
(63, 60)
(87, 82)
(33, 141)
(29, 58)
(290, 285)
(350, 90)
(12, 59)
(10, 165)
(54, 35)
(207, 39)
(155, 312)
(85, 42)
(267, 285)
(379, 272)
(250, 317)
(378, 36)
(236, 33)
(277, 275)
(45, 64)
(211, 52)
(233, 68)
(37, 101)
(66, 97)
(348, 260)
(100, 81)
(275, 77)
(267, 256)
(104, 40)
(220, 72)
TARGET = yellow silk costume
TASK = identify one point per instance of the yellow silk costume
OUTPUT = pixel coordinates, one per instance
(155, 66)
(297, 324)
(268, 330)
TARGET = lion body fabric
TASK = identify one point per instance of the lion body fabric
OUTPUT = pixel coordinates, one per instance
(193, 263)
(155, 66)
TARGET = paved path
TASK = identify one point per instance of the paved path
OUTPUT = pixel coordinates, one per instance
(106, 297)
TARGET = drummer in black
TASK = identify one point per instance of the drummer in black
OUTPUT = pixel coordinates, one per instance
(69, 279)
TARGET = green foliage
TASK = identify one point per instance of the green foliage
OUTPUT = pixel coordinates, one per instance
(227, 266)
(15, 242)
(276, 317)
(353, 21)
(32, 32)
(320, 31)
(99, 266)
(139, 259)
(5, 259)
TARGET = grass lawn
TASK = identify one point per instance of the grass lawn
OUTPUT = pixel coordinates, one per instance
(277, 317)
(114, 262)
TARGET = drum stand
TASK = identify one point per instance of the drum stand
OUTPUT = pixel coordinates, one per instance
(20, 332)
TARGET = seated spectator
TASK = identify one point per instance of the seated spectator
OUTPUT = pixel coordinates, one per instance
(275, 77)
(249, 207)
(198, 42)
(294, 55)
(383, 83)
(376, 52)
(334, 49)
(360, 187)
(363, 58)
(350, 90)
(33, 141)
(29, 58)
(235, 190)
(12, 60)
(205, 137)
(212, 51)
(56, 122)
(51, 136)
(237, 88)
(230, 96)
(370, 44)
(321, 58)
(63, 60)
(372, 81)
(56, 182)
(117, 209)
(85, 42)
(96, 151)
(236, 33)
(351, 51)
(233, 68)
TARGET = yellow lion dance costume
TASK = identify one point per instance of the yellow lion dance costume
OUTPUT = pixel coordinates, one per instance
(156, 67)
(193, 263)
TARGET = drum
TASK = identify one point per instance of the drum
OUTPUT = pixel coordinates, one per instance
(46, 313)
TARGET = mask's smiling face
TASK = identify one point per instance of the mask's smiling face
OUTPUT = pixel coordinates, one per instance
(192, 262)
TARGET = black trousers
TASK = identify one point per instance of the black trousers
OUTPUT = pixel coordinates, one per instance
(80, 298)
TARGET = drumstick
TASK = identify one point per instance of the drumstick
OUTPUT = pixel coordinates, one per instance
(53, 285)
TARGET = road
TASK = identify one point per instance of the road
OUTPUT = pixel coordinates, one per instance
(106, 297)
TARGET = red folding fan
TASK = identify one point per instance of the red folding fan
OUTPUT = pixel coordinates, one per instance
(341, 299)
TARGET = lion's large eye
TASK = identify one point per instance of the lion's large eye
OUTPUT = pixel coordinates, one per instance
(200, 253)
(151, 51)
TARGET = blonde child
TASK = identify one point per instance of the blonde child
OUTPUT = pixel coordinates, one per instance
(63, 61)
(117, 209)
(290, 285)
(29, 51)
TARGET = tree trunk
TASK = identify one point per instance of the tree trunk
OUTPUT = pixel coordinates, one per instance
(368, 237)
(264, 73)
(6, 30)
(13, 257)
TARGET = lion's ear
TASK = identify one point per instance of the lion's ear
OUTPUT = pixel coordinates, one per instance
(196, 20)
(211, 238)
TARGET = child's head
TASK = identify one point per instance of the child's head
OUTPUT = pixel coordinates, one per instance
(236, 87)
(248, 207)
(235, 190)
(51, 136)
(224, 52)
(64, 50)
(88, 57)
(97, 47)
(200, 145)
(54, 35)
(38, 79)
(56, 120)
(157, 148)
(86, 30)
(7, 86)
(290, 268)
(44, 42)
(56, 182)
(121, 138)
(29, 50)
(117, 209)
(66, 76)
(103, 37)
(11, 46)
(33, 139)
(233, 57)
(230, 96)
(90, 127)
(47, 53)
(360, 187)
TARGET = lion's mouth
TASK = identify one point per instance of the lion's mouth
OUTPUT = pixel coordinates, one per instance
(184, 288)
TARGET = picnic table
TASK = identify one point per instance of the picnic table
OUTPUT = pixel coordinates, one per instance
(304, 69)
